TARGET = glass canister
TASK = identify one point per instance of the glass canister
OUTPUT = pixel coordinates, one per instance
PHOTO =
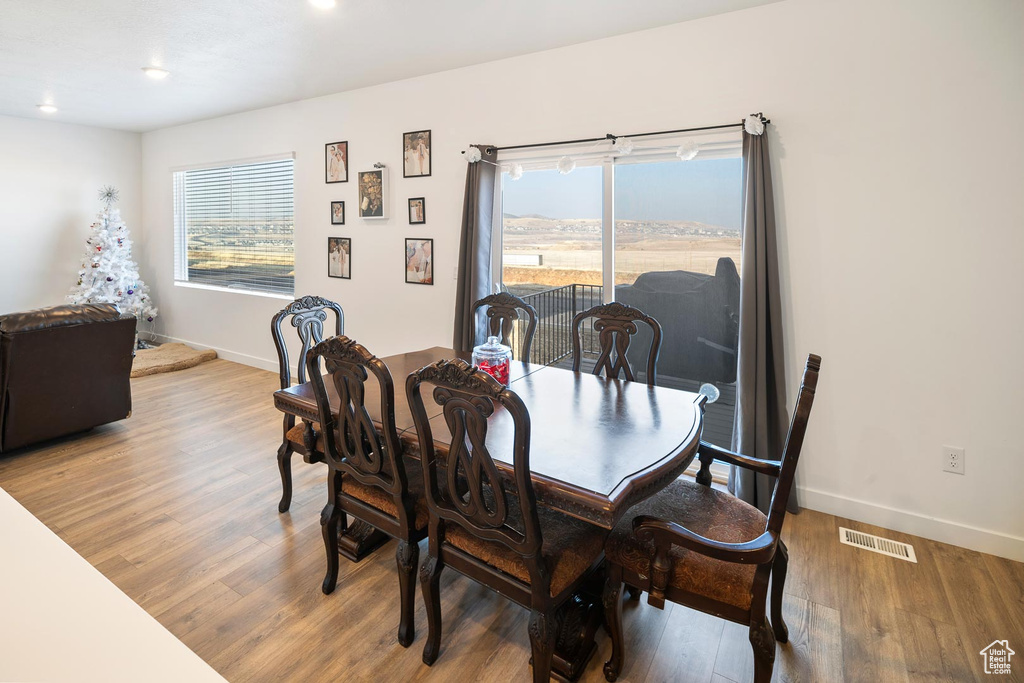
(493, 358)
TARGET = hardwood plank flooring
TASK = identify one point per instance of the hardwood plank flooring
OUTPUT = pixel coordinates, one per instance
(178, 507)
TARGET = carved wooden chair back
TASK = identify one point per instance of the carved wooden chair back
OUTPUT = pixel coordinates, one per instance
(352, 443)
(794, 444)
(615, 324)
(308, 315)
(503, 313)
(464, 486)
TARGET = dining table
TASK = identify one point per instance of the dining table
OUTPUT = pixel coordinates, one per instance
(598, 447)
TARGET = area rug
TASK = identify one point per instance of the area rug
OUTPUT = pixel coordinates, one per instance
(168, 358)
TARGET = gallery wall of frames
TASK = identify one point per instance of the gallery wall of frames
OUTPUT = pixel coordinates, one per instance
(372, 203)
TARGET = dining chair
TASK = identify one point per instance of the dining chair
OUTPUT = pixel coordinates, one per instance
(615, 324)
(710, 551)
(485, 522)
(308, 315)
(503, 313)
(368, 476)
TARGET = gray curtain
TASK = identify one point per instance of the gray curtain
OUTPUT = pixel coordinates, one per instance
(474, 280)
(761, 421)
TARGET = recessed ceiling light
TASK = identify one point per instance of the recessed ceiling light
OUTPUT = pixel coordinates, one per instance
(47, 108)
(323, 4)
(156, 73)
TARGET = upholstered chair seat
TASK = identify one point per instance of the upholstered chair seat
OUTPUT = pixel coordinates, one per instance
(384, 501)
(705, 511)
(569, 547)
(295, 437)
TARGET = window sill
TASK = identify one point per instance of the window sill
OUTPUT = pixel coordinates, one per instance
(232, 290)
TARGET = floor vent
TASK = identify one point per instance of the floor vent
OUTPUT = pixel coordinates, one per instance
(877, 544)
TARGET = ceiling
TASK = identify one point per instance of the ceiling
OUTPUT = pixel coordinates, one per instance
(86, 56)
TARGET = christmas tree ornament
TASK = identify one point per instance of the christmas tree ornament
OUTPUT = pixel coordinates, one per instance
(112, 275)
(109, 196)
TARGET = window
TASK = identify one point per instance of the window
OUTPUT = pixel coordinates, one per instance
(647, 230)
(235, 227)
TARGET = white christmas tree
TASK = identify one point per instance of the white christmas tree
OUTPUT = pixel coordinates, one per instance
(108, 273)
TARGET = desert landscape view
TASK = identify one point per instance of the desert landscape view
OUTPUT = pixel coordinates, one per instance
(223, 252)
(543, 252)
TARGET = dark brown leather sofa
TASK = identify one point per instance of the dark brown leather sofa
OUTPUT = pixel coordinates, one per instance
(63, 369)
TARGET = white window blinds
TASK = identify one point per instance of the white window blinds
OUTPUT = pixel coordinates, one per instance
(235, 226)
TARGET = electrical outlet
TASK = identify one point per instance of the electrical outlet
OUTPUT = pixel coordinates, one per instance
(953, 459)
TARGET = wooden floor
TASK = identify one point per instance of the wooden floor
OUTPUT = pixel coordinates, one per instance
(178, 506)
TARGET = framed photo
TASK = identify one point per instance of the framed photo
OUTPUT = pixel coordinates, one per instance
(416, 146)
(337, 213)
(419, 261)
(373, 193)
(417, 210)
(339, 257)
(336, 162)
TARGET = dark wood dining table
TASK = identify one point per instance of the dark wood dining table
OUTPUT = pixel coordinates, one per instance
(598, 446)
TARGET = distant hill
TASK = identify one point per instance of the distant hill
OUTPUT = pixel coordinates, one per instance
(528, 215)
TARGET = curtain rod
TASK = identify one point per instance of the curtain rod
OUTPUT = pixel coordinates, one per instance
(612, 137)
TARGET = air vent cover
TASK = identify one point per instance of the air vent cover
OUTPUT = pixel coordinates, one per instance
(877, 544)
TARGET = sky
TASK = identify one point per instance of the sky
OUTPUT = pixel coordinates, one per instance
(707, 191)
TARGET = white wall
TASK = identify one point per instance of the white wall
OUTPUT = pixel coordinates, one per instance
(896, 155)
(50, 174)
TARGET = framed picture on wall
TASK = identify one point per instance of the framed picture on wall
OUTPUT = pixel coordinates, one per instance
(417, 210)
(339, 257)
(373, 193)
(419, 261)
(416, 153)
(336, 162)
(337, 213)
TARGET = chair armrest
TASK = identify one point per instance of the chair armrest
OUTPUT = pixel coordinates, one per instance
(770, 467)
(665, 534)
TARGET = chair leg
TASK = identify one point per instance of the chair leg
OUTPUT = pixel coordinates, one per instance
(542, 643)
(779, 567)
(430, 580)
(763, 643)
(330, 520)
(407, 556)
(612, 600)
(634, 593)
(284, 463)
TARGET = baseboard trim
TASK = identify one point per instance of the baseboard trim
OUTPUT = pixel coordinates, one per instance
(934, 528)
(226, 354)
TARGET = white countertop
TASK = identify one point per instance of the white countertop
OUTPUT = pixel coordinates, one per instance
(62, 620)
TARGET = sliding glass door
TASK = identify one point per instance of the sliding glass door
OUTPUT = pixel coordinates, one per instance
(649, 230)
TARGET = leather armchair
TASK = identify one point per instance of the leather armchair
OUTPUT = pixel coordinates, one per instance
(63, 369)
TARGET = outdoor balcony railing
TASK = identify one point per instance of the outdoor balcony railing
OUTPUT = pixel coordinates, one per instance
(556, 308)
